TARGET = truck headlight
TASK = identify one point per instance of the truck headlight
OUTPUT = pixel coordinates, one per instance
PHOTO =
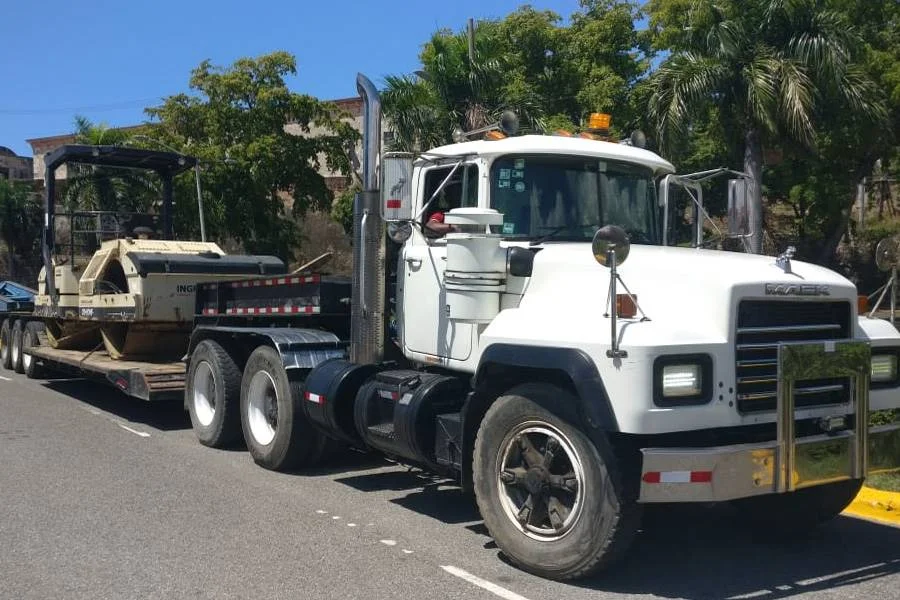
(679, 380)
(884, 368)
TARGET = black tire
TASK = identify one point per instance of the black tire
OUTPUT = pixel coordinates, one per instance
(5, 342)
(213, 395)
(16, 346)
(600, 530)
(278, 434)
(31, 338)
(794, 513)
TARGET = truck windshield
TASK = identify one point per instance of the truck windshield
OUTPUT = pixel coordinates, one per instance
(567, 198)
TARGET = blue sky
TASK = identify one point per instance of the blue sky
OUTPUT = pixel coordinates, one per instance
(108, 60)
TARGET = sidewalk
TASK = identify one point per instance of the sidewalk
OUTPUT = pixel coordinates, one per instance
(876, 505)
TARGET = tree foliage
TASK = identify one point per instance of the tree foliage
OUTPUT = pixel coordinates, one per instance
(551, 74)
(20, 222)
(255, 171)
(777, 74)
(95, 187)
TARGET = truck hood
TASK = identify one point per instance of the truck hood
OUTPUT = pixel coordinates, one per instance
(684, 289)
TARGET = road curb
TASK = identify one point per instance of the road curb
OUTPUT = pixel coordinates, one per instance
(876, 505)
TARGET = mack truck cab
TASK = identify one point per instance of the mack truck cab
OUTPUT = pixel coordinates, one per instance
(559, 351)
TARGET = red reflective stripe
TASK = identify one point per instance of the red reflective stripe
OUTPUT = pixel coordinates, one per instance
(315, 398)
(651, 477)
(701, 476)
(676, 477)
(393, 204)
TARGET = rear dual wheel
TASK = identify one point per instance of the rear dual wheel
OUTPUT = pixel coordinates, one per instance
(277, 432)
(213, 395)
(31, 339)
(5, 343)
(15, 346)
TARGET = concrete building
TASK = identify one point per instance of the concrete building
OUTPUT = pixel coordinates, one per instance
(14, 167)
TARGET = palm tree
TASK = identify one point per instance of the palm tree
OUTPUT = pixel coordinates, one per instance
(452, 91)
(92, 187)
(765, 64)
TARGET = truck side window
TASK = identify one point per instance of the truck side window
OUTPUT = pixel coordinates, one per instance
(460, 192)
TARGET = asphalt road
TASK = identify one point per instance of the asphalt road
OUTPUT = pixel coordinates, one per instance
(105, 497)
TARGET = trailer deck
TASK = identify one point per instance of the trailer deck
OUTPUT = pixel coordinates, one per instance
(143, 380)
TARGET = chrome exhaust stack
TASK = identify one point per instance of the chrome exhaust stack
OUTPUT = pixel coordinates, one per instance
(368, 308)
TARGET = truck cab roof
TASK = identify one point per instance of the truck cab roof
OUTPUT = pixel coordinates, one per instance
(555, 144)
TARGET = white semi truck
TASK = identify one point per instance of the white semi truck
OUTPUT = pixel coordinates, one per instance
(555, 351)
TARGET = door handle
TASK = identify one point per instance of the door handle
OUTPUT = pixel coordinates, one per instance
(414, 262)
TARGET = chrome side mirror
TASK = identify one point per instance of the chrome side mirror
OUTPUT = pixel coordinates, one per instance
(396, 186)
(738, 208)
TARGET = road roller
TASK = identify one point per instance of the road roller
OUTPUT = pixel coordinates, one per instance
(118, 281)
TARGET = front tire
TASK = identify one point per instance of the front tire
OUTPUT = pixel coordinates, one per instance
(278, 434)
(552, 499)
(213, 395)
(16, 335)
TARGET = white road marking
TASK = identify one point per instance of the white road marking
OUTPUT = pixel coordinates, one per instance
(351, 524)
(321, 512)
(388, 542)
(335, 517)
(134, 431)
(5, 378)
(483, 583)
(405, 551)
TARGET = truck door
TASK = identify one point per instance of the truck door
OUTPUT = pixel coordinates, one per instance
(424, 324)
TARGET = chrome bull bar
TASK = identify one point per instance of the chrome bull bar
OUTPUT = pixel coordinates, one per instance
(787, 463)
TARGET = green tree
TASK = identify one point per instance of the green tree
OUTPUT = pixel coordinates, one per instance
(342, 208)
(770, 67)
(20, 222)
(878, 24)
(254, 168)
(551, 74)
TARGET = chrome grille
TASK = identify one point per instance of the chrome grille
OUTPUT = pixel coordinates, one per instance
(761, 326)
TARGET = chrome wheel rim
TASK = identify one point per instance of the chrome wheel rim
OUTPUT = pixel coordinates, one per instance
(540, 478)
(27, 358)
(16, 350)
(204, 394)
(262, 408)
(4, 348)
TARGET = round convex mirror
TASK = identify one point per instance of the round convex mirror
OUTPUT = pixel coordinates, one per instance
(610, 237)
(399, 231)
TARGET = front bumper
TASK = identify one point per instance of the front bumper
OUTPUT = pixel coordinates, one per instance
(787, 463)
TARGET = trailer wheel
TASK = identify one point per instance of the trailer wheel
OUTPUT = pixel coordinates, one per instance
(277, 433)
(213, 395)
(16, 346)
(30, 339)
(5, 342)
(551, 498)
(794, 513)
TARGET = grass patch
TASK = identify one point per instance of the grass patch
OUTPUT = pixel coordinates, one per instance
(888, 482)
